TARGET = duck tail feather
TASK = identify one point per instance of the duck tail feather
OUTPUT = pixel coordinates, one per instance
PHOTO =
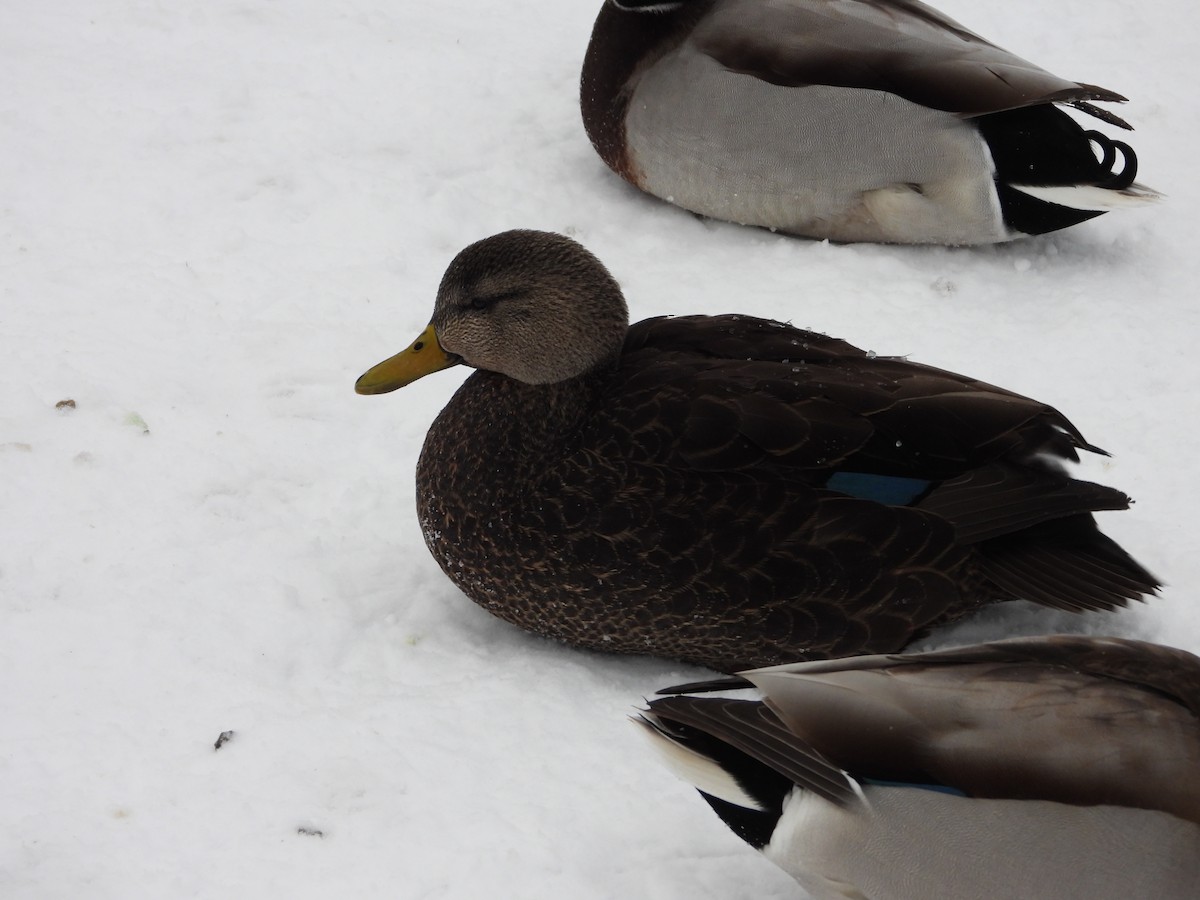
(1066, 564)
(1091, 197)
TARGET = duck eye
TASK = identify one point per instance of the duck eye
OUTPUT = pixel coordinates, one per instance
(486, 300)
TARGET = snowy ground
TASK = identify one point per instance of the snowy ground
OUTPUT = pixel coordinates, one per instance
(213, 219)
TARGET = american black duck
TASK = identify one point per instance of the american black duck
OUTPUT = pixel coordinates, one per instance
(727, 490)
(1054, 768)
(853, 120)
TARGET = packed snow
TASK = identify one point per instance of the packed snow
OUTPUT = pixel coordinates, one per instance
(214, 217)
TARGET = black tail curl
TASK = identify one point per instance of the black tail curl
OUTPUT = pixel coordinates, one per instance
(1116, 180)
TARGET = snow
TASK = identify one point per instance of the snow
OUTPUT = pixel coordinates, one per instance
(213, 219)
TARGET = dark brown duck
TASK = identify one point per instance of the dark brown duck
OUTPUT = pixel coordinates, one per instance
(727, 490)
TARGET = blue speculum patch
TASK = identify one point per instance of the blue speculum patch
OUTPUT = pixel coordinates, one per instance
(891, 489)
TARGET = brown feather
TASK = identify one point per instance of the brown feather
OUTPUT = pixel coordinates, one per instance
(899, 46)
(1072, 719)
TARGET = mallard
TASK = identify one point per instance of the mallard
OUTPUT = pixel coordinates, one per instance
(1046, 769)
(853, 120)
(728, 490)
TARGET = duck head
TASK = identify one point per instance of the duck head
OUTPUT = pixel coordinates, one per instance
(532, 305)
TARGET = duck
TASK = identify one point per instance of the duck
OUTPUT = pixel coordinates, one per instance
(729, 490)
(847, 120)
(1062, 767)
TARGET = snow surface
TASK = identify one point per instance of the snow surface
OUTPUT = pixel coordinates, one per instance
(214, 217)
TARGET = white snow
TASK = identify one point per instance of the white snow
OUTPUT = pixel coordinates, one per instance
(213, 218)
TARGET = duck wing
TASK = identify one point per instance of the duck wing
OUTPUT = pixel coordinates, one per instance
(902, 47)
(736, 392)
(1063, 718)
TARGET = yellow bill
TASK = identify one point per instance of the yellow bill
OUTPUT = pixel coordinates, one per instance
(423, 356)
